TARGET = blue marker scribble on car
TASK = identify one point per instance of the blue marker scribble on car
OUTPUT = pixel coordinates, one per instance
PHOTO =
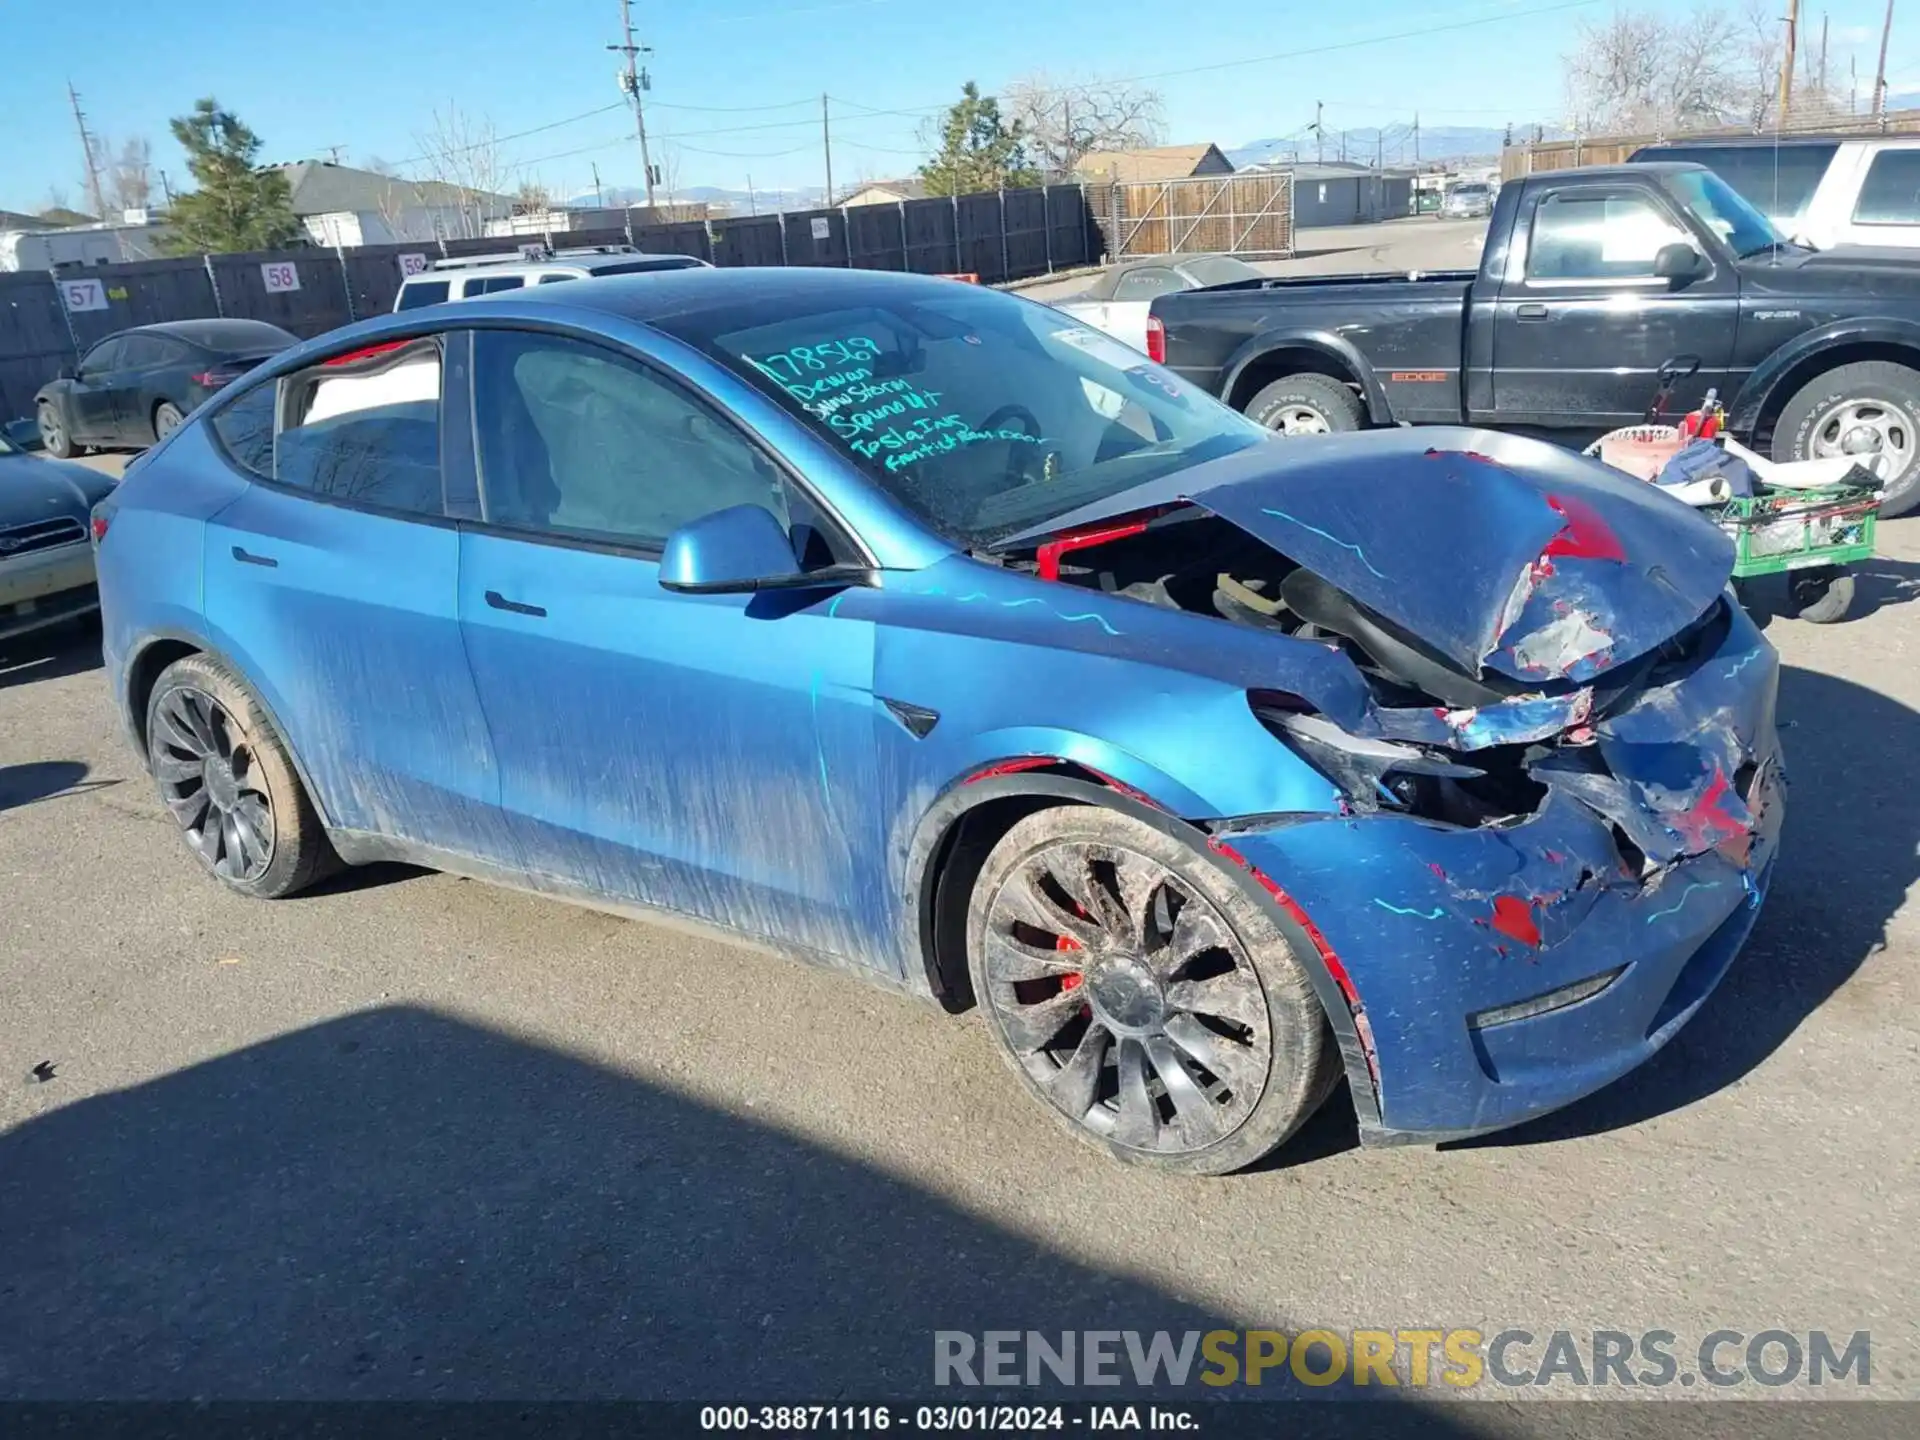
(889, 622)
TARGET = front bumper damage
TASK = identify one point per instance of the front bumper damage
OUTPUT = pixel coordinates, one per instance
(1501, 972)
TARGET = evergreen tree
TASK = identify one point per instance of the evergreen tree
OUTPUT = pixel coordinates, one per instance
(236, 207)
(979, 150)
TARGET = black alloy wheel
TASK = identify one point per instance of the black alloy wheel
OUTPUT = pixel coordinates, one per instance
(210, 779)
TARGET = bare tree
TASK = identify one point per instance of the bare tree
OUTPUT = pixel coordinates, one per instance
(531, 197)
(130, 177)
(1062, 120)
(462, 151)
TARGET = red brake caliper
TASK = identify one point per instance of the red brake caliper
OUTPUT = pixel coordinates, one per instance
(1072, 980)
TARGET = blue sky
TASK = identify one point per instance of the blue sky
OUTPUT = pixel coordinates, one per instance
(369, 77)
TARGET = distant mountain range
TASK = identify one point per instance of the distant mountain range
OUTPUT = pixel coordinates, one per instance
(737, 201)
(1393, 144)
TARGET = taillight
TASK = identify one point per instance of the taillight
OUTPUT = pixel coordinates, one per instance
(102, 518)
(1156, 340)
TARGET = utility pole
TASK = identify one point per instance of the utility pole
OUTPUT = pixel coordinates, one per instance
(166, 189)
(93, 159)
(1416, 139)
(826, 146)
(753, 203)
(1880, 75)
(635, 82)
(1319, 134)
(1785, 101)
(599, 200)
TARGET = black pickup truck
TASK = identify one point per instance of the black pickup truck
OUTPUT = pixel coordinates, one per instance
(1590, 281)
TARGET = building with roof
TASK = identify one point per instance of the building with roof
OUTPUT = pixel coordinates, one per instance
(884, 192)
(341, 206)
(1345, 193)
(1160, 162)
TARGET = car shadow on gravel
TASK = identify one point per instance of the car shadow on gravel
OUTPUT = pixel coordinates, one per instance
(69, 648)
(39, 780)
(1849, 854)
(399, 1204)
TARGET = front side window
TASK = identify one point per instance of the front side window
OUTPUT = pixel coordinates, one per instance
(576, 440)
(1890, 195)
(981, 413)
(1598, 235)
(104, 357)
(363, 428)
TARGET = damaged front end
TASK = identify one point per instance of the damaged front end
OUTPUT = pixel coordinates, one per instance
(1560, 805)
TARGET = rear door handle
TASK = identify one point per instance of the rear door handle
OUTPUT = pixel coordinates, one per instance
(247, 558)
(1531, 311)
(500, 602)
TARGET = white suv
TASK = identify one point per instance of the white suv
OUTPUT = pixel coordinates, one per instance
(475, 275)
(1822, 190)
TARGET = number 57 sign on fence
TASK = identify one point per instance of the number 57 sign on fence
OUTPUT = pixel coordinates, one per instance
(280, 276)
(79, 295)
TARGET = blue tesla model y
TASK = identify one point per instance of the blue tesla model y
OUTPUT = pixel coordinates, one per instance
(913, 628)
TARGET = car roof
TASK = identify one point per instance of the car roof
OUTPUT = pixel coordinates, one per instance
(215, 333)
(587, 263)
(1618, 172)
(656, 295)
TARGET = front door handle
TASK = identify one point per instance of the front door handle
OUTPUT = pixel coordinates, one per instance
(1531, 311)
(500, 602)
(248, 558)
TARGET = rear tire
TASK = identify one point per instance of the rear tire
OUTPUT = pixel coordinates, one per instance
(1873, 403)
(166, 420)
(1143, 997)
(53, 432)
(229, 782)
(1307, 404)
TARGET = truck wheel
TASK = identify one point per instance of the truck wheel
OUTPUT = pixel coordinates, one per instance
(1869, 411)
(1307, 404)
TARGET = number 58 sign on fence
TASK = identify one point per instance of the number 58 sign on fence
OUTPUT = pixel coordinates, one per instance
(280, 276)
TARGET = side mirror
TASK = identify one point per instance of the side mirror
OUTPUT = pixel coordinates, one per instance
(67, 372)
(1678, 262)
(735, 551)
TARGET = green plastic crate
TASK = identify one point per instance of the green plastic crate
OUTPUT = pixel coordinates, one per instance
(1791, 529)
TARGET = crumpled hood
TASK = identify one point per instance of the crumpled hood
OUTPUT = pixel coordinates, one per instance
(1498, 552)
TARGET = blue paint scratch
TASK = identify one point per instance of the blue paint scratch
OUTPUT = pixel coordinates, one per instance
(834, 608)
(1744, 661)
(1434, 914)
(1677, 905)
(819, 744)
(1095, 618)
(1316, 530)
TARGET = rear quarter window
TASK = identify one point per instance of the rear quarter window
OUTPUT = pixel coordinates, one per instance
(1890, 195)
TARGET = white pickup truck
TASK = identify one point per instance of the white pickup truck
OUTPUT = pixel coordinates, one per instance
(1119, 300)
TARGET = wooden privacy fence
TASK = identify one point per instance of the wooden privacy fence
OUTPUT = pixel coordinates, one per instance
(49, 318)
(1541, 157)
(1206, 215)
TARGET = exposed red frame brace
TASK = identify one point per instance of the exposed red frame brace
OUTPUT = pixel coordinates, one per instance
(1049, 554)
(1362, 1026)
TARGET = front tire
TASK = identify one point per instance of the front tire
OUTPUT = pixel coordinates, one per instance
(1870, 411)
(166, 420)
(1147, 1001)
(1307, 404)
(54, 436)
(230, 784)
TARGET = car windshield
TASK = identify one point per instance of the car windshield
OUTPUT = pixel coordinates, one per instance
(1470, 192)
(1221, 270)
(981, 413)
(1746, 231)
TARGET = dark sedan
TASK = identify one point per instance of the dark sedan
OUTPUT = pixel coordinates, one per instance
(46, 562)
(135, 387)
